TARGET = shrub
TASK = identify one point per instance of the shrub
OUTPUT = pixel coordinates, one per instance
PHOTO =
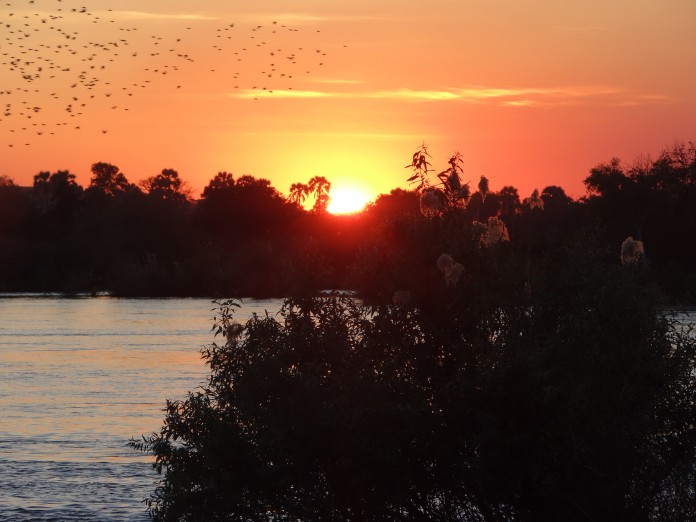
(536, 388)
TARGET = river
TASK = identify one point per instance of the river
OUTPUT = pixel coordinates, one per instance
(78, 378)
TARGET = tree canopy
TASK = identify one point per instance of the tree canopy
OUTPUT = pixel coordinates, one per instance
(159, 240)
(108, 180)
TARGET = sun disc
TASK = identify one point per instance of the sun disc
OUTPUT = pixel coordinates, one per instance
(347, 201)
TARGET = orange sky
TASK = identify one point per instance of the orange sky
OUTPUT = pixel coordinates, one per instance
(531, 93)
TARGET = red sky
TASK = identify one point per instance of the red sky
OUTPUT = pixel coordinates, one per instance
(530, 93)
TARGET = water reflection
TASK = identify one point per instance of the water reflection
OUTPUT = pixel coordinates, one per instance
(78, 378)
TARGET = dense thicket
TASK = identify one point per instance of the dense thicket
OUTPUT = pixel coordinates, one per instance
(520, 374)
(242, 237)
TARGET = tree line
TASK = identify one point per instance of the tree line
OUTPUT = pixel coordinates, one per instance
(243, 237)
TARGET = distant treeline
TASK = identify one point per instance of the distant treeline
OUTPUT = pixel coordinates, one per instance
(243, 237)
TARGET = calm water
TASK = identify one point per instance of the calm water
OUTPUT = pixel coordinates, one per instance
(78, 378)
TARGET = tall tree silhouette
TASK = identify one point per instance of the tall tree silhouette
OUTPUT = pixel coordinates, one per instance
(319, 187)
(57, 194)
(222, 182)
(298, 193)
(167, 186)
(248, 207)
(107, 179)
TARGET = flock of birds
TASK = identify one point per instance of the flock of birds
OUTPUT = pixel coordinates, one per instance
(59, 60)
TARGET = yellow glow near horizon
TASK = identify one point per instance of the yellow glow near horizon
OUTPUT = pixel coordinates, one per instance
(531, 95)
(347, 201)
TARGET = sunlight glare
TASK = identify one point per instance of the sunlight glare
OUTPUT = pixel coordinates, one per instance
(347, 201)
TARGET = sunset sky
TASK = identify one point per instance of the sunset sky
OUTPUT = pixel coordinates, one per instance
(531, 93)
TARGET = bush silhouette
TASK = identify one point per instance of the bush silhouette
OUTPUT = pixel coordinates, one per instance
(530, 388)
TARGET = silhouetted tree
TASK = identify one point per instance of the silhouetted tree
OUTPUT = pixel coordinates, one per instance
(57, 194)
(555, 196)
(6, 181)
(167, 186)
(397, 202)
(607, 179)
(108, 180)
(298, 193)
(223, 182)
(250, 230)
(257, 210)
(319, 187)
(652, 201)
(238, 209)
(675, 168)
(621, 199)
(509, 202)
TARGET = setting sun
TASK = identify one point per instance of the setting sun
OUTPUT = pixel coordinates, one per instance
(347, 201)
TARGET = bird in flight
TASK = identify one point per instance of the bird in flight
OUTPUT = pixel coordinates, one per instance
(56, 68)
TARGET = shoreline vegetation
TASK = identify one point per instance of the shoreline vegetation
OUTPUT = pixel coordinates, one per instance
(504, 364)
(508, 357)
(243, 237)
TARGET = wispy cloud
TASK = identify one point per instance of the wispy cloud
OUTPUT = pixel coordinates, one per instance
(284, 93)
(502, 96)
(413, 95)
(297, 18)
(281, 18)
(146, 15)
(508, 96)
(519, 103)
(526, 96)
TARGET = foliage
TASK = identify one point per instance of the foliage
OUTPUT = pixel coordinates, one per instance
(652, 201)
(6, 181)
(318, 186)
(511, 380)
(558, 392)
(223, 181)
(108, 180)
(167, 186)
(449, 193)
(248, 209)
(56, 195)
(113, 236)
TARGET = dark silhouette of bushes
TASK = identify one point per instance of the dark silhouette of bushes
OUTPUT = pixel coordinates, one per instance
(525, 371)
(555, 391)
